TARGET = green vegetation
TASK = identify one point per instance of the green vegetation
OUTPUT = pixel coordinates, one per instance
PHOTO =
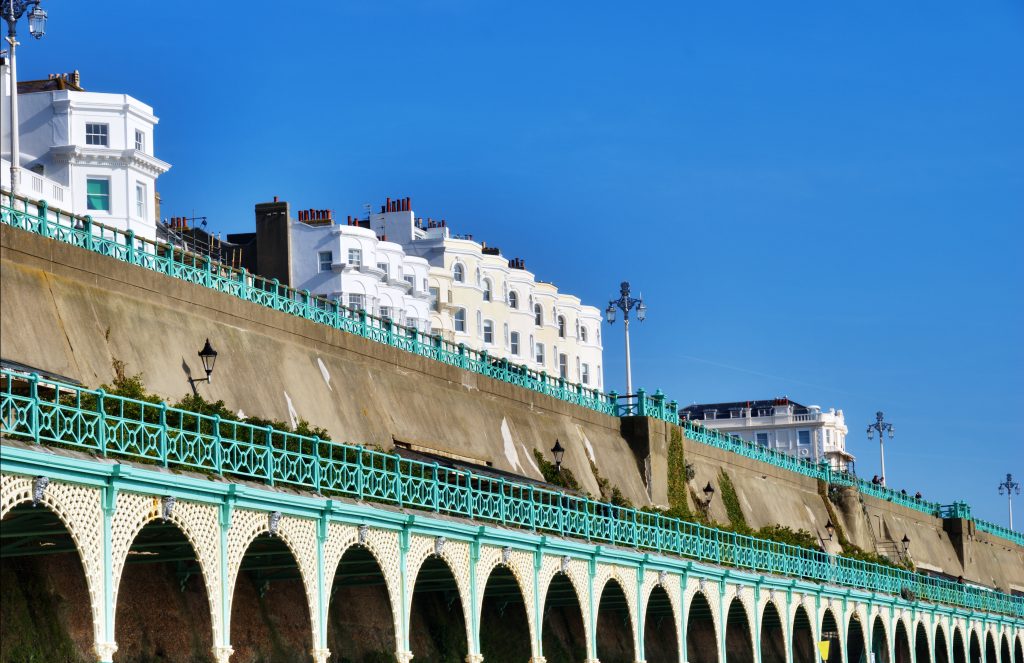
(849, 549)
(733, 510)
(564, 478)
(678, 478)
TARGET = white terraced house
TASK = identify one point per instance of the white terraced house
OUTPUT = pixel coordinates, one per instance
(492, 303)
(803, 431)
(85, 152)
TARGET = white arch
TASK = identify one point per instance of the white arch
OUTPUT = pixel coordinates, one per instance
(384, 547)
(200, 525)
(605, 575)
(671, 587)
(520, 564)
(455, 554)
(298, 535)
(80, 509)
(578, 573)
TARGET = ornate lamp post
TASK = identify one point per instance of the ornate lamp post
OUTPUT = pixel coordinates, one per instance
(12, 11)
(1009, 487)
(557, 452)
(625, 303)
(882, 427)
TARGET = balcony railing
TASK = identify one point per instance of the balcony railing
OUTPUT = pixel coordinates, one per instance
(54, 413)
(198, 269)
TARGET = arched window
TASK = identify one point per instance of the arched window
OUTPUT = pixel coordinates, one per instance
(487, 290)
(459, 273)
(513, 300)
(488, 331)
(561, 326)
(506, 335)
(538, 315)
(478, 277)
(460, 320)
(479, 324)
(583, 333)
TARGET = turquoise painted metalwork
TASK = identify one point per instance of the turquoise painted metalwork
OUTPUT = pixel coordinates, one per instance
(200, 270)
(54, 413)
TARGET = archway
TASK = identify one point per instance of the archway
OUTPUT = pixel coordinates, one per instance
(1018, 651)
(856, 649)
(269, 609)
(959, 646)
(941, 648)
(739, 647)
(45, 613)
(162, 576)
(614, 634)
(922, 652)
(830, 633)
(437, 624)
(504, 627)
(879, 641)
(901, 644)
(773, 636)
(360, 617)
(974, 653)
(563, 636)
(661, 638)
(991, 653)
(804, 650)
(1004, 651)
(701, 640)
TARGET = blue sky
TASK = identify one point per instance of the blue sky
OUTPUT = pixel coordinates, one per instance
(817, 200)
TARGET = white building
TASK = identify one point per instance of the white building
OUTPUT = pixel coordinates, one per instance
(352, 265)
(491, 303)
(799, 430)
(84, 152)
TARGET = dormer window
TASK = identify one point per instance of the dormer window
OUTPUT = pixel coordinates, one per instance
(97, 134)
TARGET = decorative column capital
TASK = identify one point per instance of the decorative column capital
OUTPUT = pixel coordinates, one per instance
(222, 654)
(105, 651)
(320, 655)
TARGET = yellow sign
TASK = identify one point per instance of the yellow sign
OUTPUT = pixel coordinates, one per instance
(823, 648)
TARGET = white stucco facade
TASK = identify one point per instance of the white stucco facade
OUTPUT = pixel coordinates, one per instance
(490, 303)
(353, 266)
(801, 431)
(87, 153)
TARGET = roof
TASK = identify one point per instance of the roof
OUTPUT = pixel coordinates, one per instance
(696, 411)
(72, 81)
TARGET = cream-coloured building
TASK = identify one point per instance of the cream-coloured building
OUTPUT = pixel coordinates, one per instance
(492, 303)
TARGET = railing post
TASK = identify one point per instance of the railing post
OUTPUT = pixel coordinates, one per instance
(436, 493)
(398, 479)
(218, 447)
(504, 506)
(270, 456)
(533, 510)
(33, 387)
(641, 403)
(469, 494)
(87, 229)
(102, 412)
(306, 313)
(42, 211)
(243, 289)
(613, 398)
(362, 323)
(277, 294)
(164, 443)
(360, 469)
(588, 513)
(316, 462)
(129, 240)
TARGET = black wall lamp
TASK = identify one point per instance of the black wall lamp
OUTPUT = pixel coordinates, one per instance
(209, 357)
(558, 451)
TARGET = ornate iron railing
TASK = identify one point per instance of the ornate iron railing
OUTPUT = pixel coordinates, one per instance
(51, 412)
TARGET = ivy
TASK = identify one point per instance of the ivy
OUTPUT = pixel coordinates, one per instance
(732, 504)
(678, 478)
(564, 478)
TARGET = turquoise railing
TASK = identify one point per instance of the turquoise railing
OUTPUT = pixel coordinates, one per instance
(51, 412)
(83, 232)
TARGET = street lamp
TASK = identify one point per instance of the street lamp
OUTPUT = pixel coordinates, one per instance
(12, 11)
(906, 544)
(558, 451)
(882, 427)
(709, 492)
(830, 528)
(209, 357)
(1009, 487)
(625, 303)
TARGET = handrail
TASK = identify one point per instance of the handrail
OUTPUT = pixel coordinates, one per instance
(194, 268)
(52, 412)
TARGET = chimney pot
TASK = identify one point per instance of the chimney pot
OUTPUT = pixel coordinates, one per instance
(275, 199)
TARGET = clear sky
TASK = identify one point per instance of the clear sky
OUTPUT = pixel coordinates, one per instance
(817, 200)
